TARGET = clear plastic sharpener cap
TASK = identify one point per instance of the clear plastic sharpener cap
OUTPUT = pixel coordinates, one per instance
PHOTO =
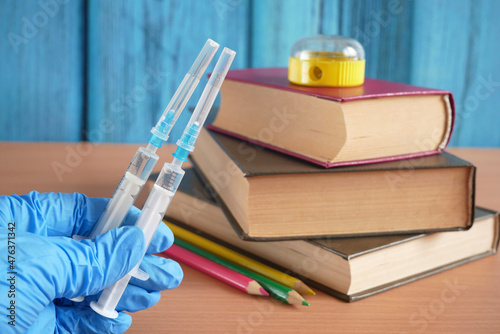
(328, 61)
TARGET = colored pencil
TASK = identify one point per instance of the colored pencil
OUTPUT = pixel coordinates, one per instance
(275, 289)
(240, 259)
(224, 274)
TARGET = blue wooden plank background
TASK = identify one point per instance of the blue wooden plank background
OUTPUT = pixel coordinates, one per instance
(104, 70)
(41, 70)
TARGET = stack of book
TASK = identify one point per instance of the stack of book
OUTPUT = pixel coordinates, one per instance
(347, 188)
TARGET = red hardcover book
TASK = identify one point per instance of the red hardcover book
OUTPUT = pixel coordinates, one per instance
(378, 121)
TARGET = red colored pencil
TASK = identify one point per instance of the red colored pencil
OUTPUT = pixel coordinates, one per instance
(226, 275)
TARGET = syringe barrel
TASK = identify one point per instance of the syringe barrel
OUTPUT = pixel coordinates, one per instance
(126, 193)
(156, 205)
(159, 199)
(142, 163)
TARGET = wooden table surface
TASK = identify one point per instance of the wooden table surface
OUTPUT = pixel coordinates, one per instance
(203, 305)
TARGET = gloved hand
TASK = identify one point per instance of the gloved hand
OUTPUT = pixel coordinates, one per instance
(46, 266)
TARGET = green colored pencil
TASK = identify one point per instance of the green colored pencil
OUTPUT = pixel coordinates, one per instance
(275, 289)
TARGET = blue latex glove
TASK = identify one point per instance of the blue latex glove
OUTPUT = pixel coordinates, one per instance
(50, 266)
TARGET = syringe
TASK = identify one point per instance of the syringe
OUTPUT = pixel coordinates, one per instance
(145, 158)
(168, 181)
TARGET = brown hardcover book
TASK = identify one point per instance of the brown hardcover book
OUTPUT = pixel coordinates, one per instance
(348, 268)
(273, 196)
(332, 126)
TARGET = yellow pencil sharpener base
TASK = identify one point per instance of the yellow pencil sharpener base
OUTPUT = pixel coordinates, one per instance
(326, 73)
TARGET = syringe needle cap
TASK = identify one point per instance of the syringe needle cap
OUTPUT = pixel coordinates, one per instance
(204, 57)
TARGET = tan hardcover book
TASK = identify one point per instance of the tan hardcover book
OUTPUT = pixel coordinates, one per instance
(273, 196)
(348, 268)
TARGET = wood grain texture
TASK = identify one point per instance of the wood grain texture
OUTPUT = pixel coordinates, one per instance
(330, 17)
(41, 70)
(141, 50)
(276, 25)
(138, 52)
(453, 49)
(384, 30)
(87, 168)
(204, 305)
(417, 307)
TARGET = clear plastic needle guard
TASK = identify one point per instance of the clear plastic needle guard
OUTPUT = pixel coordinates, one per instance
(168, 181)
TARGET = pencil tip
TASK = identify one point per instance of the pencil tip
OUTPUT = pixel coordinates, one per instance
(305, 303)
(310, 292)
(254, 288)
(302, 288)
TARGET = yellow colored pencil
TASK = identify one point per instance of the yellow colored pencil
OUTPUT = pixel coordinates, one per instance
(240, 259)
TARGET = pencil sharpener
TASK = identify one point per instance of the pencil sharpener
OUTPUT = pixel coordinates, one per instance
(327, 61)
